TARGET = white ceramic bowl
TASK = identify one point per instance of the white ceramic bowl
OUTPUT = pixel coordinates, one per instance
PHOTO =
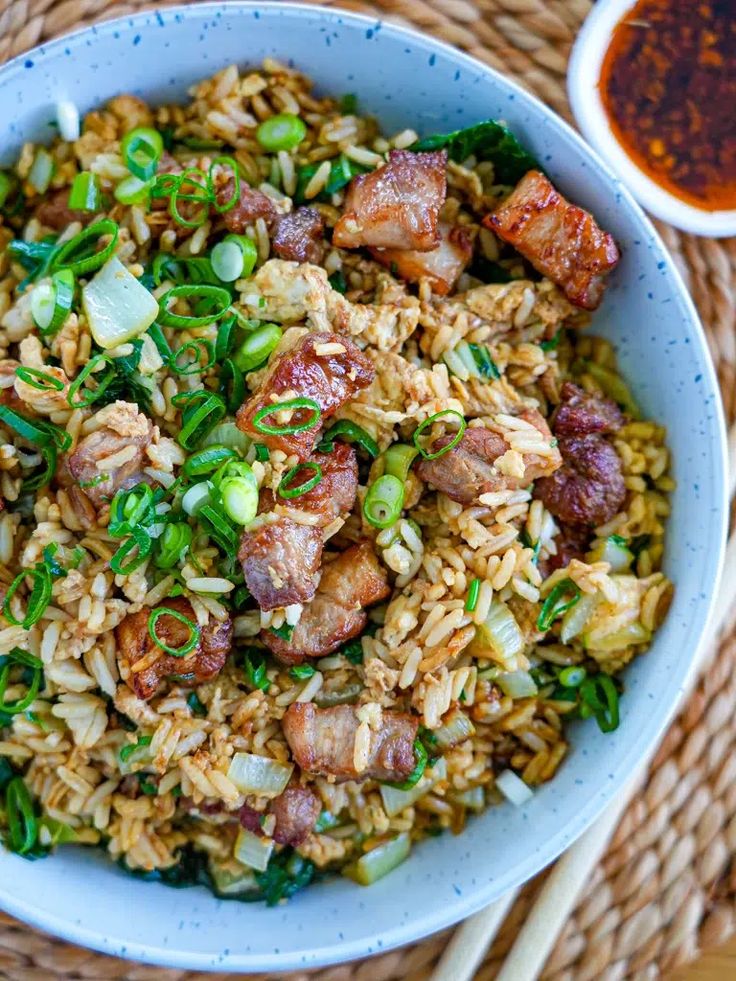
(405, 79)
(583, 75)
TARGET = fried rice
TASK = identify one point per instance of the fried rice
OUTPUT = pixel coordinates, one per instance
(496, 610)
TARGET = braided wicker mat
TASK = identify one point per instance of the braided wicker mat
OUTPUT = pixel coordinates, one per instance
(667, 887)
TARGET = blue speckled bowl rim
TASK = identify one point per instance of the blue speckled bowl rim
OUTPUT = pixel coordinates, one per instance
(471, 901)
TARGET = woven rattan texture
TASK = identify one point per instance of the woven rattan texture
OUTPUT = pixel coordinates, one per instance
(667, 887)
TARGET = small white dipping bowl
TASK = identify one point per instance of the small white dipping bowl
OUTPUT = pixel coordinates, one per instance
(583, 75)
(405, 80)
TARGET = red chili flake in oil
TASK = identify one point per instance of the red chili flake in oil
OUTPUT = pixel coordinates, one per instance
(668, 84)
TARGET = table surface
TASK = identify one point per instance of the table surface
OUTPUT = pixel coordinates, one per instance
(715, 965)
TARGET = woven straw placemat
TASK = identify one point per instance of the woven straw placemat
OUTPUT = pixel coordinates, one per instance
(667, 887)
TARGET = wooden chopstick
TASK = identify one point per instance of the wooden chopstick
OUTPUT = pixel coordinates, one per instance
(557, 899)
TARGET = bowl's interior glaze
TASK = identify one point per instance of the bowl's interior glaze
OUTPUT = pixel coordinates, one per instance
(406, 80)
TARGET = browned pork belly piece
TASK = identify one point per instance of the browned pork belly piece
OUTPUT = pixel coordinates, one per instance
(327, 368)
(442, 266)
(54, 211)
(323, 741)
(297, 236)
(396, 206)
(589, 488)
(335, 494)
(280, 561)
(112, 457)
(353, 581)
(572, 542)
(468, 470)
(135, 643)
(581, 413)
(251, 204)
(561, 241)
(296, 811)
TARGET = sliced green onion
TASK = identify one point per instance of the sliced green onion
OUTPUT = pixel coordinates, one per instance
(141, 150)
(384, 501)
(572, 677)
(397, 460)
(79, 255)
(563, 596)
(139, 538)
(182, 270)
(6, 186)
(239, 494)
(43, 434)
(201, 412)
(130, 508)
(215, 295)
(207, 460)
(39, 379)
(225, 338)
(127, 751)
(255, 669)
(262, 454)
(42, 170)
(235, 196)
(231, 385)
(293, 427)
(472, 601)
(420, 757)
(20, 657)
(196, 190)
(196, 497)
(218, 528)
(429, 422)
(85, 193)
(173, 544)
(381, 860)
(196, 347)
(484, 362)
(21, 817)
(51, 303)
(302, 671)
(194, 631)
(38, 600)
(348, 432)
(162, 345)
(288, 492)
(227, 261)
(257, 347)
(90, 395)
(600, 695)
(282, 132)
(133, 190)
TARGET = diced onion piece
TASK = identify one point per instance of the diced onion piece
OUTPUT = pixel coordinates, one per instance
(196, 497)
(513, 788)
(474, 799)
(577, 616)
(118, 307)
(499, 636)
(466, 356)
(253, 851)
(380, 861)
(260, 775)
(228, 434)
(42, 170)
(603, 639)
(67, 118)
(43, 299)
(517, 684)
(614, 551)
(455, 730)
(231, 879)
(395, 800)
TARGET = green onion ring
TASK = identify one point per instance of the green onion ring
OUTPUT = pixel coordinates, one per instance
(41, 380)
(428, 422)
(86, 263)
(573, 676)
(39, 598)
(21, 817)
(13, 708)
(233, 200)
(225, 338)
(174, 544)
(141, 149)
(606, 713)
(298, 403)
(190, 292)
(207, 460)
(195, 346)
(290, 492)
(232, 385)
(472, 601)
(140, 537)
(90, 395)
(130, 508)
(552, 607)
(348, 432)
(203, 198)
(85, 193)
(384, 501)
(194, 631)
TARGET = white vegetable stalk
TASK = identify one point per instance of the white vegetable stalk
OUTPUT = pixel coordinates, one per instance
(67, 118)
(118, 307)
(395, 800)
(260, 775)
(513, 788)
(253, 851)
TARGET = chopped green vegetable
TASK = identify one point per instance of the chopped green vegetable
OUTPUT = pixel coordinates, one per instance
(381, 860)
(488, 140)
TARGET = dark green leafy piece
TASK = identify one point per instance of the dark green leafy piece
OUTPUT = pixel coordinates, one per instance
(488, 140)
(35, 257)
(254, 663)
(489, 272)
(284, 631)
